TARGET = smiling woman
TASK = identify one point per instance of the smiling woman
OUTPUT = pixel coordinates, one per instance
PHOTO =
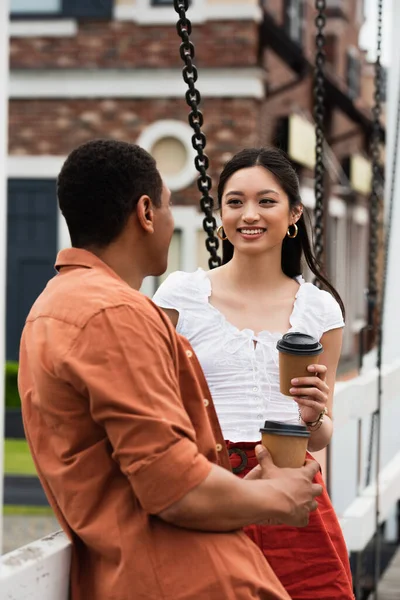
(234, 315)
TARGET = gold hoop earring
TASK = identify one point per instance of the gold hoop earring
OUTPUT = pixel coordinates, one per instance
(220, 228)
(295, 232)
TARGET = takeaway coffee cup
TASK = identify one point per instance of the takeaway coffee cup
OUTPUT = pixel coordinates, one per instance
(286, 443)
(296, 352)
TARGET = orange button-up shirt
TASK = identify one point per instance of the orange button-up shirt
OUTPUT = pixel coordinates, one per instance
(121, 425)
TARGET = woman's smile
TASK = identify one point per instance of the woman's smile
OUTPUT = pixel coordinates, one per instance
(251, 233)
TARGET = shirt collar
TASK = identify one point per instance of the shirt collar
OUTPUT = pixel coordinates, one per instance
(78, 257)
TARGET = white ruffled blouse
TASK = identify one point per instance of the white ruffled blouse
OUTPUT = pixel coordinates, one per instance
(243, 377)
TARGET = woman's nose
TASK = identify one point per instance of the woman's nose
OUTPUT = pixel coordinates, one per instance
(251, 216)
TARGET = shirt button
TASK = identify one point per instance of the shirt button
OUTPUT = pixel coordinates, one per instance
(189, 353)
(255, 389)
(259, 416)
(218, 447)
(206, 402)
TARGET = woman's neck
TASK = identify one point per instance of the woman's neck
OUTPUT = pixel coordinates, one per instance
(261, 273)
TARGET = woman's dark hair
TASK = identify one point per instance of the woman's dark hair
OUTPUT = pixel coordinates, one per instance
(293, 249)
(99, 186)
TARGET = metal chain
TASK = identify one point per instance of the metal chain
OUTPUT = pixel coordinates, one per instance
(376, 189)
(381, 313)
(319, 114)
(372, 294)
(374, 224)
(195, 118)
(388, 230)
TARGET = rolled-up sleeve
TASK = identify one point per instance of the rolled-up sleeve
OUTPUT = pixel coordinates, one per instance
(124, 361)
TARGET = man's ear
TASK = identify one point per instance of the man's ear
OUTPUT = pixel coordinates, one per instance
(145, 214)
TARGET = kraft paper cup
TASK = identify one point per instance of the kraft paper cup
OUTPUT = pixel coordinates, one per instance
(286, 443)
(297, 351)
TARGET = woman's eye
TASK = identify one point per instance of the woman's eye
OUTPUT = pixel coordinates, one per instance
(234, 201)
(267, 201)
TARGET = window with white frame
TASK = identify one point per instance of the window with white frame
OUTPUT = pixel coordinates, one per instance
(338, 259)
(338, 253)
(169, 142)
(353, 73)
(308, 200)
(79, 9)
(294, 19)
(359, 238)
(360, 11)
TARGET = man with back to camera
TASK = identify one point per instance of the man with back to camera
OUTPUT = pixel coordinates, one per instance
(118, 415)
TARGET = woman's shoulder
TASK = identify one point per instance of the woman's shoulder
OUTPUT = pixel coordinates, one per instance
(183, 290)
(318, 307)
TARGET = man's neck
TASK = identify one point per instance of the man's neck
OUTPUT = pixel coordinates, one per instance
(128, 271)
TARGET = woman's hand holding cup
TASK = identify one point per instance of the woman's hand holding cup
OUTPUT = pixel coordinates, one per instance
(311, 393)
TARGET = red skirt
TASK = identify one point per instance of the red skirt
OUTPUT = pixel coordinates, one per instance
(311, 562)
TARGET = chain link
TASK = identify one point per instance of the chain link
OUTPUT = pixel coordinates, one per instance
(319, 114)
(195, 118)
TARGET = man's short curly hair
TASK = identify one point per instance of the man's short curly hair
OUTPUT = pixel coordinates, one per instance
(99, 186)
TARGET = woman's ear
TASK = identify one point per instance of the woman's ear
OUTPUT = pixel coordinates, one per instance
(296, 213)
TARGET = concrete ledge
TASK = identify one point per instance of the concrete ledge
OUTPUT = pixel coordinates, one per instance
(358, 520)
(38, 571)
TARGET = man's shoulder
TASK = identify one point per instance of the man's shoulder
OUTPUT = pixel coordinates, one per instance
(76, 297)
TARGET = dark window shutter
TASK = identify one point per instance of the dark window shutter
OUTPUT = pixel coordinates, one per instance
(31, 250)
(87, 9)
